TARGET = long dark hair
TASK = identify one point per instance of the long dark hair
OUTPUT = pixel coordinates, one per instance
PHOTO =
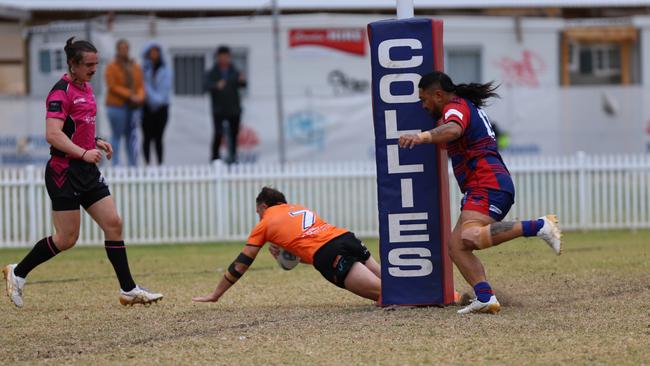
(475, 92)
(74, 50)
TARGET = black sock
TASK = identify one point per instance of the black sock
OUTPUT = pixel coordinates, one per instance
(42, 252)
(116, 252)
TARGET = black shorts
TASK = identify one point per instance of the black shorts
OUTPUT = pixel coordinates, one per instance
(71, 183)
(335, 259)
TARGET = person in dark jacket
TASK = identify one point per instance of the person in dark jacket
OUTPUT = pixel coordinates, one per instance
(223, 81)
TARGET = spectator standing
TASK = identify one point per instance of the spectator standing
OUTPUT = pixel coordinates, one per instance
(124, 100)
(223, 81)
(155, 112)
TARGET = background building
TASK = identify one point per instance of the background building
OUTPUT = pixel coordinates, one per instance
(573, 74)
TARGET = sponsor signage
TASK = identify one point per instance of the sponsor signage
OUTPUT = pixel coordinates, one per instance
(348, 40)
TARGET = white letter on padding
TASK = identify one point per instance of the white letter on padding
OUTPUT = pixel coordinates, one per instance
(407, 192)
(395, 258)
(395, 227)
(387, 80)
(383, 53)
(393, 162)
(391, 125)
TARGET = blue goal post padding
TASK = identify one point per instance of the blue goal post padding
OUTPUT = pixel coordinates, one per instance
(412, 185)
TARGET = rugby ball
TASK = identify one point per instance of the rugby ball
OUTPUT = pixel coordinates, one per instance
(287, 260)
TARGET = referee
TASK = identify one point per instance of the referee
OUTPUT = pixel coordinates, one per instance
(73, 180)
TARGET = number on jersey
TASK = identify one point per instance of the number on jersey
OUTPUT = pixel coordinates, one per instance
(486, 122)
(308, 218)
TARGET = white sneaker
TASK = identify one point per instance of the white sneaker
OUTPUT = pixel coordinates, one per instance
(551, 233)
(15, 285)
(475, 306)
(139, 295)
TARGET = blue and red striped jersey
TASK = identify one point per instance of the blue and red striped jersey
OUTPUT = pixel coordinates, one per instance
(474, 156)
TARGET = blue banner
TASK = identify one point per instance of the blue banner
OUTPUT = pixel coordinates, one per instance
(412, 184)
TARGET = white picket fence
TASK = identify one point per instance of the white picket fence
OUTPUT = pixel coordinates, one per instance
(214, 203)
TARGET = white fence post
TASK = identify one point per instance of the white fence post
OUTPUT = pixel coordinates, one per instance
(31, 202)
(217, 175)
(582, 189)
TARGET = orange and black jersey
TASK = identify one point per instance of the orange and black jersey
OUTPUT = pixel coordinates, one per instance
(294, 228)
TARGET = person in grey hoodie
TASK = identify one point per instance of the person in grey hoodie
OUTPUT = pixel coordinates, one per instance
(157, 83)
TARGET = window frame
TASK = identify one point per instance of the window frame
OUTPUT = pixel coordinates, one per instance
(478, 49)
(240, 58)
(56, 59)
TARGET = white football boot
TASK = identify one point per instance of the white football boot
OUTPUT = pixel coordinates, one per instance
(139, 295)
(14, 284)
(551, 233)
(475, 306)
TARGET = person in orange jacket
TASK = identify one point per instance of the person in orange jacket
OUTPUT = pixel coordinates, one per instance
(124, 99)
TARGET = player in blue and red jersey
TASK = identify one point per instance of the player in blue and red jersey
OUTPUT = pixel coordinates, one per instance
(73, 180)
(482, 177)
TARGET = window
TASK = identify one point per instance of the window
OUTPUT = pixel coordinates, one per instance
(51, 60)
(240, 59)
(190, 67)
(44, 62)
(600, 55)
(596, 64)
(464, 65)
(58, 60)
(615, 58)
(188, 74)
(586, 63)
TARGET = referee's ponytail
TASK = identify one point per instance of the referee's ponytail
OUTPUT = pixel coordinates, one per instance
(475, 92)
(74, 50)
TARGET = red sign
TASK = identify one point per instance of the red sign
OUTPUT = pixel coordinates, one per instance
(525, 72)
(247, 138)
(350, 40)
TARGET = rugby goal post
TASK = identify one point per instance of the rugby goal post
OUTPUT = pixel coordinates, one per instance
(412, 184)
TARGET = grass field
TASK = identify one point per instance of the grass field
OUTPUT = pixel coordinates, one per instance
(589, 306)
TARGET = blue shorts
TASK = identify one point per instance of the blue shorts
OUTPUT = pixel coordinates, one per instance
(490, 202)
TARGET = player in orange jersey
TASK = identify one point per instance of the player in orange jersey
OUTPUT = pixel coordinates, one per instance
(336, 253)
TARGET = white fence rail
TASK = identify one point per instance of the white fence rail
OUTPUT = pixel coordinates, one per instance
(211, 203)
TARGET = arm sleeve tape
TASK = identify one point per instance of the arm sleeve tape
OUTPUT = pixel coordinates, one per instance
(227, 279)
(244, 259)
(233, 271)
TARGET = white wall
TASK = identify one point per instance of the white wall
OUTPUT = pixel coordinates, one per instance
(540, 116)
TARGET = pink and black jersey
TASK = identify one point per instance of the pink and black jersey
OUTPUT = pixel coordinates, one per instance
(474, 156)
(76, 106)
(71, 182)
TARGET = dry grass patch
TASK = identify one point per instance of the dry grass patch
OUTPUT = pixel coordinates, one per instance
(588, 306)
